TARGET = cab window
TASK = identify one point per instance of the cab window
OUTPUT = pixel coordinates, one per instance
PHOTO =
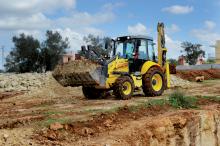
(142, 48)
(151, 52)
(129, 50)
(125, 49)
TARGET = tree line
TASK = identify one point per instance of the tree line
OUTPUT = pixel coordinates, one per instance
(31, 55)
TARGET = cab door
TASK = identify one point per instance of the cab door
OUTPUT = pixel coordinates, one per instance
(141, 55)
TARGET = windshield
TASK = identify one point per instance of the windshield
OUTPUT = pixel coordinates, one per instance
(124, 49)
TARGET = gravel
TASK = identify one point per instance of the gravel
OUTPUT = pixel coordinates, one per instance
(23, 82)
(178, 82)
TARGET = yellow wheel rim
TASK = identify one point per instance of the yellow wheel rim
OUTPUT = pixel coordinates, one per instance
(157, 82)
(127, 88)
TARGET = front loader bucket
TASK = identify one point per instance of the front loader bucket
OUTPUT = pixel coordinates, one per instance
(79, 73)
(76, 79)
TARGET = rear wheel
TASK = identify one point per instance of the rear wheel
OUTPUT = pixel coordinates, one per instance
(123, 88)
(93, 93)
(153, 82)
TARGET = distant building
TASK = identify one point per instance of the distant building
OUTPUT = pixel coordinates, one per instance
(71, 56)
(200, 60)
(68, 57)
(217, 52)
(182, 60)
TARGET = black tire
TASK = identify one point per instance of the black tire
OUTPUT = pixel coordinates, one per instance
(119, 89)
(93, 93)
(148, 83)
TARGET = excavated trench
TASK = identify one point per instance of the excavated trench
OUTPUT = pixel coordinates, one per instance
(150, 127)
(187, 128)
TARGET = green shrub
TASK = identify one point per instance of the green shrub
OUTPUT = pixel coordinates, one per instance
(160, 102)
(179, 100)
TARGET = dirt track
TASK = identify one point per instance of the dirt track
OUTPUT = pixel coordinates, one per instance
(28, 114)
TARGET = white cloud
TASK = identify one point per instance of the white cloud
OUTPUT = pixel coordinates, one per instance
(92, 30)
(138, 29)
(32, 18)
(36, 21)
(207, 34)
(26, 14)
(111, 6)
(173, 29)
(85, 19)
(75, 39)
(174, 47)
(26, 7)
(210, 24)
(178, 9)
(35, 33)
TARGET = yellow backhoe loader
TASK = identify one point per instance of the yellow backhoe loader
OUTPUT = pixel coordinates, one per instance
(132, 66)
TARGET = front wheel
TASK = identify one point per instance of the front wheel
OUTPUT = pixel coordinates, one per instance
(93, 93)
(153, 82)
(123, 88)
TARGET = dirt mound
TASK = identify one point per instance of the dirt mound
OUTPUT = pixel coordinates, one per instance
(192, 74)
(176, 81)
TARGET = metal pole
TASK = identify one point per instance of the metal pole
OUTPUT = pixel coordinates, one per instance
(2, 56)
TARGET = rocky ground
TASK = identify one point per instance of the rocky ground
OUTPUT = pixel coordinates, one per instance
(23, 82)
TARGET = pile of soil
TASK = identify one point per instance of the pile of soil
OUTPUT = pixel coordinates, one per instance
(192, 74)
(176, 81)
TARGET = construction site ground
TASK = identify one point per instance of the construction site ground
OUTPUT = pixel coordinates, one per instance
(26, 117)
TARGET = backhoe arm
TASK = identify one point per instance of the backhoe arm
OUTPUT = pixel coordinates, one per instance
(162, 52)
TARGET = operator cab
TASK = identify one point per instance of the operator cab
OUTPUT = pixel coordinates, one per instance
(137, 49)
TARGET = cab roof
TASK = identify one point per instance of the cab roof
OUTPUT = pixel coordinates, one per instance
(135, 37)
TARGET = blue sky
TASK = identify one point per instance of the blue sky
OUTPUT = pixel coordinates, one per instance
(189, 20)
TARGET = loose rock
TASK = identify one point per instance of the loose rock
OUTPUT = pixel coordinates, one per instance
(56, 126)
